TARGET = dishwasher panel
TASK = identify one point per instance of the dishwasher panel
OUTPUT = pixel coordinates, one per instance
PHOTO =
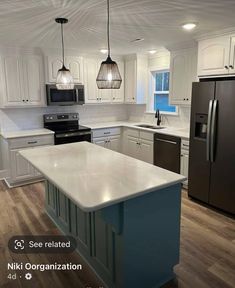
(167, 152)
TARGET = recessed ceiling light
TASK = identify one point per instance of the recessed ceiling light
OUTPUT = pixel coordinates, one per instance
(189, 26)
(152, 51)
(137, 40)
(104, 51)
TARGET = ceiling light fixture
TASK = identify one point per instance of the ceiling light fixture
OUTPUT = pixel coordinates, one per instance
(103, 51)
(109, 76)
(189, 26)
(152, 51)
(64, 79)
(137, 40)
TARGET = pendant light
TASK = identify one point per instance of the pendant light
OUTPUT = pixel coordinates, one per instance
(108, 76)
(64, 79)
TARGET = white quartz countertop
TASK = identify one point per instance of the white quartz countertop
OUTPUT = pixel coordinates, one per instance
(174, 131)
(25, 133)
(94, 177)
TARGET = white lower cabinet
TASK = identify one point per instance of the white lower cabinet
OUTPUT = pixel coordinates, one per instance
(20, 171)
(109, 138)
(184, 160)
(138, 144)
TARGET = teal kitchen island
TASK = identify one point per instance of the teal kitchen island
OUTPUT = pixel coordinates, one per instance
(124, 213)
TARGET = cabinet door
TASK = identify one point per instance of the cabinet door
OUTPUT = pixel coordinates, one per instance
(133, 147)
(184, 165)
(130, 81)
(75, 65)
(115, 143)
(12, 68)
(178, 77)
(118, 94)
(183, 71)
(213, 56)
(33, 81)
(146, 151)
(105, 95)
(232, 56)
(54, 64)
(90, 74)
(20, 168)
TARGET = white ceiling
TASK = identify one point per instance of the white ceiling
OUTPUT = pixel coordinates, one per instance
(31, 22)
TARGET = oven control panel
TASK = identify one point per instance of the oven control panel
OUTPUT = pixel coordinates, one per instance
(60, 117)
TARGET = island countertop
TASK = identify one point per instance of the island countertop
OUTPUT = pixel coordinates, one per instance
(95, 177)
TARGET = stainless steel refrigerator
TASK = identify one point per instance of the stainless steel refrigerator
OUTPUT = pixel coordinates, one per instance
(212, 144)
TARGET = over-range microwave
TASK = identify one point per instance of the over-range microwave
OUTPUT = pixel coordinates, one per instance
(57, 97)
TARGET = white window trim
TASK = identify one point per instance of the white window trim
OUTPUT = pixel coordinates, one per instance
(150, 100)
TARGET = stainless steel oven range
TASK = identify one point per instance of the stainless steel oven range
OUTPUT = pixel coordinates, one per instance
(66, 127)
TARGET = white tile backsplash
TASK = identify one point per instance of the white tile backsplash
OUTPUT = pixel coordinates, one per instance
(137, 113)
(32, 118)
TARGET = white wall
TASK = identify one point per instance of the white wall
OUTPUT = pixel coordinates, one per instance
(32, 118)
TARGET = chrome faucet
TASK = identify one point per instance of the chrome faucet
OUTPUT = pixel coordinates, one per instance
(159, 117)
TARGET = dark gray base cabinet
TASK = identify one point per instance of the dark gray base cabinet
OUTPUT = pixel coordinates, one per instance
(134, 243)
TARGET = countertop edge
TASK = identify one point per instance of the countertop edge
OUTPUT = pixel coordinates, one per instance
(176, 133)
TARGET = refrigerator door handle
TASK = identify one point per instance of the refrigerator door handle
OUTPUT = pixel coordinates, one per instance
(208, 136)
(213, 130)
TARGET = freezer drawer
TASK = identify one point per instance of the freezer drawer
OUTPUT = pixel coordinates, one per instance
(167, 152)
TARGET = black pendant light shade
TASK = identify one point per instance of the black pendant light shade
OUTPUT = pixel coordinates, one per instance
(64, 79)
(109, 76)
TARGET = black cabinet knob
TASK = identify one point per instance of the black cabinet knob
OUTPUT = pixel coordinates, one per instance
(226, 67)
(231, 66)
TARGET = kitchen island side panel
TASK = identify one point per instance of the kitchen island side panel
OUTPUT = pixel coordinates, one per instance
(134, 243)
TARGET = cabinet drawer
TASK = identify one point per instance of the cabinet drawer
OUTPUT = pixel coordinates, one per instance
(185, 144)
(106, 132)
(146, 135)
(31, 141)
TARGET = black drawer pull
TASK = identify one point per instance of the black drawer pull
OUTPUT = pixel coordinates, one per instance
(32, 142)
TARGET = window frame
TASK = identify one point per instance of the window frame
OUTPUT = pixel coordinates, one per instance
(152, 92)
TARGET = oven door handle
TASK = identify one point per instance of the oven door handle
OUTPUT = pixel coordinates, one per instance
(72, 134)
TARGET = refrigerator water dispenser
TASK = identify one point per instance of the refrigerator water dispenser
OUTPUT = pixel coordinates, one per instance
(201, 126)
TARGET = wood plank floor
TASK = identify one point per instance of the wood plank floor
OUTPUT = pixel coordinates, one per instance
(207, 244)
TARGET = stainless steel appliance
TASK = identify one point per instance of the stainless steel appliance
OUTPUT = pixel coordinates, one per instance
(167, 152)
(212, 144)
(66, 127)
(57, 97)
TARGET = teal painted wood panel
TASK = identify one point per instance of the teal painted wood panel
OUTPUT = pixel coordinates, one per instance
(131, 244)
(102, 245)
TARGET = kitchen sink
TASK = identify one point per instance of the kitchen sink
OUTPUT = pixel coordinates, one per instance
(149, 126)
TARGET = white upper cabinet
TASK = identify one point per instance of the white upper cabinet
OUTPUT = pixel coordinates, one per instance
(22, 81)
(213, 56)
(93, 95)
(118, 94)
(33, 82)
(11, 76)
(90, 74)
(73, 63)
(136, 82)
(232, 56)
(183, 71)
